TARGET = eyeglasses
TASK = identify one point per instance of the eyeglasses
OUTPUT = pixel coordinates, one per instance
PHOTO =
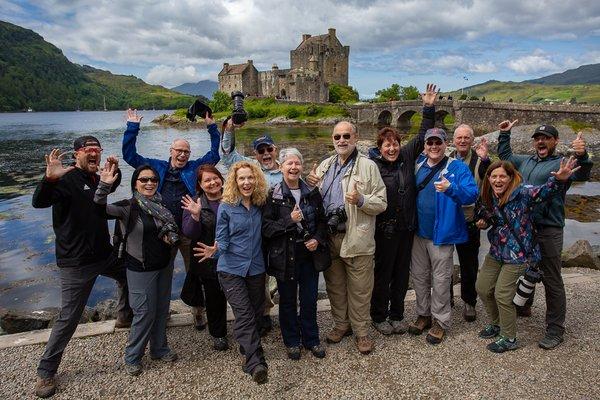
(346, 136)
(182, 151)
(91, 149)
(146, 179)
(432, 142)
(262, 150)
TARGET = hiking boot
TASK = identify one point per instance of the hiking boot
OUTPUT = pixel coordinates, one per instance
(171, 356)
(417, 327)
(489, 332)
(336, 335)
(318, 351)
(260, 374)
(436, 334)
(45, 387)
(265, 325)
(503, 344)
(133, 369)
(293, 353)
(364, 344)
(385, 328)
(550, 341)
(524, 311)
(220, 343)
(121, 323)
(200, 321)
(399, 327)
(469, 313)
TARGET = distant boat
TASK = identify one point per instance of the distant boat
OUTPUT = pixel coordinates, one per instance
(30, 109)
(104, 103)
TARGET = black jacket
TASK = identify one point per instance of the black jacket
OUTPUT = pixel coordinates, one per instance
(202, 231)
(399, 180)
(280, 233)
(79, 224)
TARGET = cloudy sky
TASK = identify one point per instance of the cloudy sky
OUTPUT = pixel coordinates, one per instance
(391, 41)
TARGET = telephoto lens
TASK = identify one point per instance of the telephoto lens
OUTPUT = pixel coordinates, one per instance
(239, 115)
(525, 285)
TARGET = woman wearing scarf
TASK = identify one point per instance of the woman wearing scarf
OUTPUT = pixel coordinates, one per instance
(149, 233)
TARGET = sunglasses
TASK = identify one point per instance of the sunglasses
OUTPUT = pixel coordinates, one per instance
(88, 149)
(262, 150)
(436, 142)
(146, 179)
(346, 136)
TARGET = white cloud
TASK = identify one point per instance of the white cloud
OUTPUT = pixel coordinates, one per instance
(483, 68)
(170, 76)
(535, 63)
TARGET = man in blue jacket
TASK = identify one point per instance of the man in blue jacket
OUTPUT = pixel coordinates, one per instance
(444, 185)
(549, 216)
(177, 178)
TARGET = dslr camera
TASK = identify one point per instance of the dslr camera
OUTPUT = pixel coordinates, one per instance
(199, 108)
(526, 284)
(239, 115)
(335, 218)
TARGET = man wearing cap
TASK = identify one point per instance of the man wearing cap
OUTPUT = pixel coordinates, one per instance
(82, 246)
(177, 179)
(549, 216)
(444, 185)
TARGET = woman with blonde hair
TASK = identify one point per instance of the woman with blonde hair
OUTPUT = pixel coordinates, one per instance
(240, 264)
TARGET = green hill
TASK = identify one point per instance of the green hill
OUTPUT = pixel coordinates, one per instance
(581, 75)
(35, 74)
(525, 92)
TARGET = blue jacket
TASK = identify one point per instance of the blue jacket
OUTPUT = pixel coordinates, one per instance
(450, 226)
(188, 173)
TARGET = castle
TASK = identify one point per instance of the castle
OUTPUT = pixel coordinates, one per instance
(314, 64)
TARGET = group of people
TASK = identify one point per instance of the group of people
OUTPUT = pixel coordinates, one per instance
(368, 222)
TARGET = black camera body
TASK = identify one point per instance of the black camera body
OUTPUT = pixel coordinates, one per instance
(239, 115)
(335, 218)
(199, 108)
(526, 285)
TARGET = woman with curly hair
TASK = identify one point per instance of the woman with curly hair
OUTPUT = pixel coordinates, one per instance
(240, 265)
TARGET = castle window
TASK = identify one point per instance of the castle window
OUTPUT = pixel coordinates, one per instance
(334, 67)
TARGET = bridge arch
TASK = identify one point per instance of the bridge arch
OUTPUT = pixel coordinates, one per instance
(403, 122)
(440, 115)
(384, 118)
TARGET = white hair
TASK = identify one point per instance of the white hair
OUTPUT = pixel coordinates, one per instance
(467, 127)
(289, 151)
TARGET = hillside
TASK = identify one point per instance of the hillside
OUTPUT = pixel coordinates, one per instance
(204, 88)
(35, 74)
(585, 74)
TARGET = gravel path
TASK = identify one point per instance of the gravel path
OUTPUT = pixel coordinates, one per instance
(401, 366)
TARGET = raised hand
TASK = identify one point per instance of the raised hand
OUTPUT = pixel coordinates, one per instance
(311, 245)
(194, 207)
(353, 196)
(442, 185)
(132, 116)
(112, 159)
(54, 167)
(312, 177)
(209, 120)
(109, 173)
(578, 145)
(567, 168)
(482, 149)
(507, 125)
(430, 95)
(296, 214)
(204, 251)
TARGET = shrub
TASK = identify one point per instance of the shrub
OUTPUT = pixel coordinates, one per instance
(292, 112)
(313, 110)
(257, 111)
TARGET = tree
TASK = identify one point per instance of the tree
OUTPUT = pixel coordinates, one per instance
(388, 94)
(342, 94)
(220, 102)
(409, 93)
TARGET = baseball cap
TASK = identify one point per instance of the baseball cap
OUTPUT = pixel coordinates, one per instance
(84, 141)
(436, 132)
(547, 130)
(266, 139)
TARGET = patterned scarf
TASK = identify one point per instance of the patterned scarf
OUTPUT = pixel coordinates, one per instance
(153, 207)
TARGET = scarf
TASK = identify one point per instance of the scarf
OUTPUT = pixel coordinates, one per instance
(153, 207)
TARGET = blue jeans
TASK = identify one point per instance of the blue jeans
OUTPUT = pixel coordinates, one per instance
(296, 328)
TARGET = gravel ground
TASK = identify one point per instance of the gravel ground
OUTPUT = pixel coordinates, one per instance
(400, 367)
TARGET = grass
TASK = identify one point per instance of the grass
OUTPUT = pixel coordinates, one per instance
(577, 125)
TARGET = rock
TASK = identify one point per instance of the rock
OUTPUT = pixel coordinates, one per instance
(580, 254)
(330, 120)
(15, 321)
(281, 121)
(106, 309)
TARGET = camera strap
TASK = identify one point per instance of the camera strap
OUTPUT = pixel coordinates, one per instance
(437, 168)
(506, 220)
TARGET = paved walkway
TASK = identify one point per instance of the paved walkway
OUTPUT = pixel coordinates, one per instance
(400, 367)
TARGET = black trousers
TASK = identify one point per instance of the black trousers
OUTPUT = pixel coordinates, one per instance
(76, 284)
(392, 270)
(468, 257)
(246, 295)
(216, 308)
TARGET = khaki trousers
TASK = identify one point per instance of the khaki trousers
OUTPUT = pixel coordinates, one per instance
(496, 285)
(349, 283)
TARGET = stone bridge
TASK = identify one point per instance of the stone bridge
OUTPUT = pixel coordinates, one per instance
(481, 115)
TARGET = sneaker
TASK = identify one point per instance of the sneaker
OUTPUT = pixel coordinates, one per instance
(364, 344)
(318, 351)
(417, 327)
(436, 334)
(399, 327)
(385, 328)
(524, 311)
(469, 313)
(45, 387)
(550, 341)
(260, 374)
(133, 369)
(336, 335)
(200, 321)
(489, 332)
(293, 353)
(171, 356)
(503, 344)
(220, 343)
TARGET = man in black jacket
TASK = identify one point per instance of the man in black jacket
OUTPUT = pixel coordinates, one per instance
(82, 246)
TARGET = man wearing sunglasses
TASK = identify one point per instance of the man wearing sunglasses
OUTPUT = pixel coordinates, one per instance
(177, 178)
(353, 194)
(444, 185)
(82, 243)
